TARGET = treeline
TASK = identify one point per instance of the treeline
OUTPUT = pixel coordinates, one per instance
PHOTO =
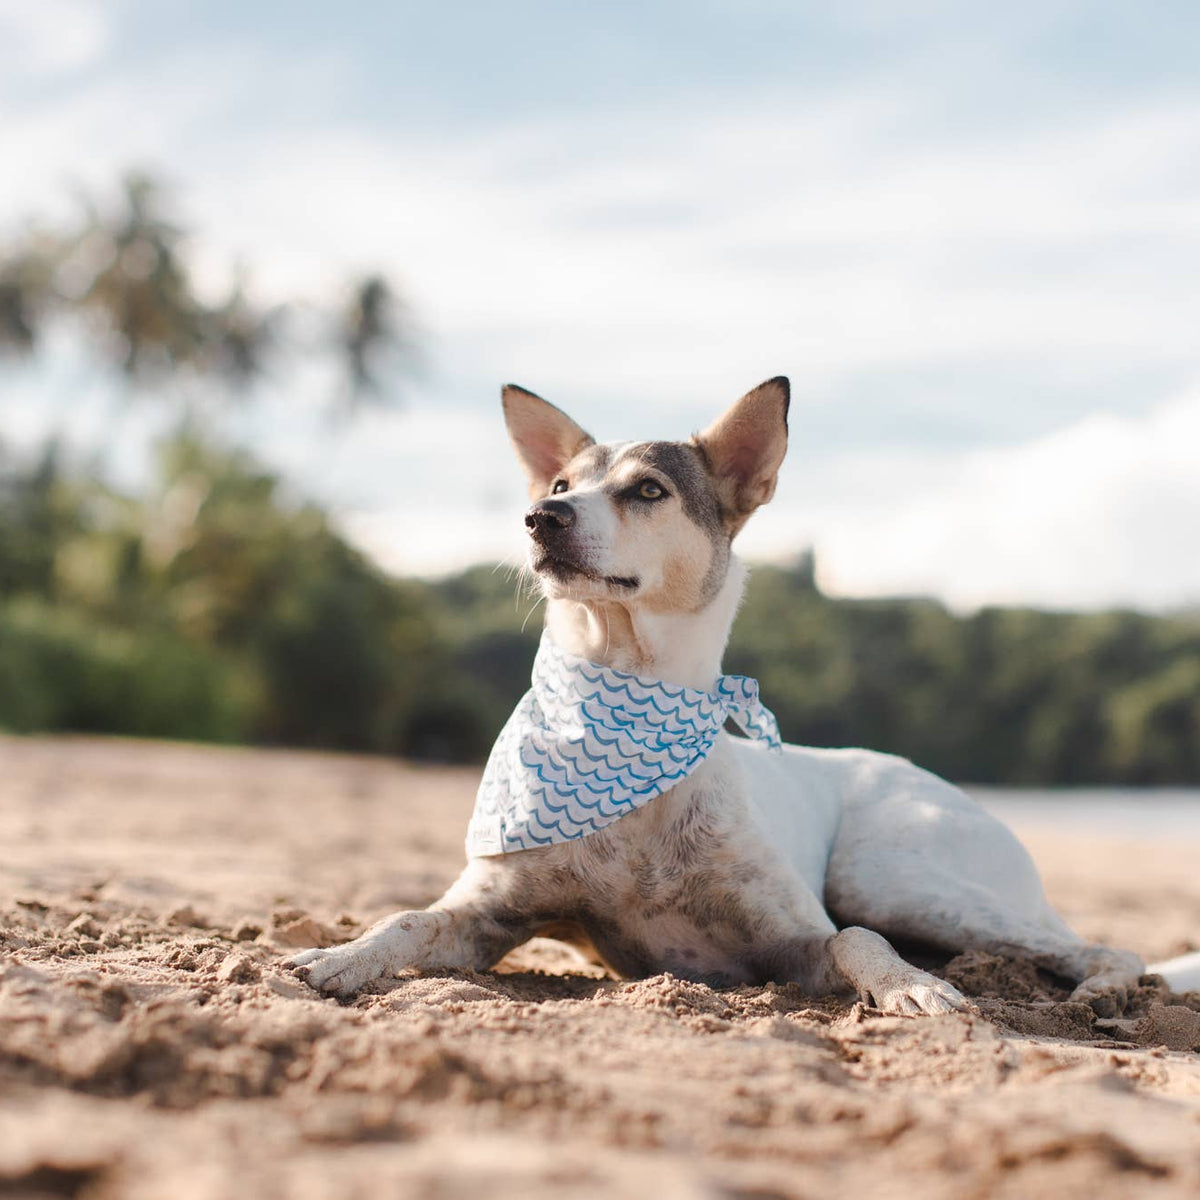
(217, 608)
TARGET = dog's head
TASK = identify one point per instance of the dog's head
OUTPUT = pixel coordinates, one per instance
(644, 522)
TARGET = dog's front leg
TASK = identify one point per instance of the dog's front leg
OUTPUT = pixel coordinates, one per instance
(471, 926)
(870, 965)
(859, 960)
(793, 924)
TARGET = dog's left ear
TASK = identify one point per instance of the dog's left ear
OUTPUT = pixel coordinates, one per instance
(745, 448)
(545, 438)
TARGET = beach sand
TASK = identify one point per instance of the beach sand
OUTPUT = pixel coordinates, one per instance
(152, 1045)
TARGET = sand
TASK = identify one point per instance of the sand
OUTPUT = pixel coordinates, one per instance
(152, 1045)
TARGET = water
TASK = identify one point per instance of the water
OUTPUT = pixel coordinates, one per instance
(1119, 812)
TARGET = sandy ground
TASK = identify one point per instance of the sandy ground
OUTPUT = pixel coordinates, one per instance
(151, 1045)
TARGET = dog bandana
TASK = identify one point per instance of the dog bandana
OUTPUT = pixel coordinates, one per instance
(587, 745)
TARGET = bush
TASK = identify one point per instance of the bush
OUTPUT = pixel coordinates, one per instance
(61, 671)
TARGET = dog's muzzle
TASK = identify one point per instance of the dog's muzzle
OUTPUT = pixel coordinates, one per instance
(548, 518)
(550, 524)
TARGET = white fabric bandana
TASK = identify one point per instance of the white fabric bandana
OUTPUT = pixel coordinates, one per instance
(587, 745)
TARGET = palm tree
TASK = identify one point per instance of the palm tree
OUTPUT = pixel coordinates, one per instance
(124, 275)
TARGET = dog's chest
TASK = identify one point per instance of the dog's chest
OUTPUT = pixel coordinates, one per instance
(685, 884)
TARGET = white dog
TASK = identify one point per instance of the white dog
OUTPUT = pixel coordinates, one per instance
(616, 812)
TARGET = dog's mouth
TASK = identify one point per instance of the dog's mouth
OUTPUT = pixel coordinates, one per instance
(564, 570)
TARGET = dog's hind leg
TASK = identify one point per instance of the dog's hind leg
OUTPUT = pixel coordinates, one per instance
(471, 926)
(951, 913)
(1104, 977)
(925, 863)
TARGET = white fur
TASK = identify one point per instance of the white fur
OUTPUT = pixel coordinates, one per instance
(687, 647)
(1182, 974)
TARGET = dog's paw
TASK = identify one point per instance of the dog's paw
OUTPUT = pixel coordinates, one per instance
(340, 970)
(918, 994)
(1110, 986)
(1106, 995)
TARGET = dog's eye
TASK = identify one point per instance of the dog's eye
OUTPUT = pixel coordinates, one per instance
(560, 485)
(649, 490)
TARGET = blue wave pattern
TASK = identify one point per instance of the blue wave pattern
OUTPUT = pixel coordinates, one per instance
(587, 745)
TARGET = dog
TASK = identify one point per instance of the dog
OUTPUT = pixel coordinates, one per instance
(749, 863)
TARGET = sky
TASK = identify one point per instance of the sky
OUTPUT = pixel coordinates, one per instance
(968, 232)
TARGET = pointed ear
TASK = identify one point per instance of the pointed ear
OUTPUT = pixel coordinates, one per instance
(545, 438)
(745, 448)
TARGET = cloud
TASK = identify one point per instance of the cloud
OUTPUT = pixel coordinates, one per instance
(51, 37)
(1104, 512)
(841, 234)
(801, 241)
(936, 279)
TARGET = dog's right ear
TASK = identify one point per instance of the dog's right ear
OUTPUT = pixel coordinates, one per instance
(545, 438)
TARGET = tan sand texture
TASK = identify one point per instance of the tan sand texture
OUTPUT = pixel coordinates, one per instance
(152, 1045)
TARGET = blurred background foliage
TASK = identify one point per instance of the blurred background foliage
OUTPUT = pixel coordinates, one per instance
(218, 605)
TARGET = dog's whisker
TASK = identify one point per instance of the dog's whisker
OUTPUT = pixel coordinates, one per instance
(531, 612)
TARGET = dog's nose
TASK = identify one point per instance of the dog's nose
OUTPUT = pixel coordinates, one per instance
(549, 516)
